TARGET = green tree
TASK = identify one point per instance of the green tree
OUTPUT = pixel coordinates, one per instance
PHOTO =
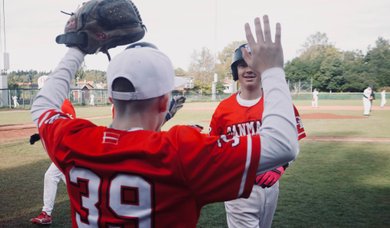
(355, 74)
(180, 72)
(377, 63)
(202, 68)
(93, 75)
(80, 74)
(225, 60)
(320, 62)
(26, 77)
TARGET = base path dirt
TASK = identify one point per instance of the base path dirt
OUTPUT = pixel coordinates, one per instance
(345, 139)
(13, 132)
(328, 116)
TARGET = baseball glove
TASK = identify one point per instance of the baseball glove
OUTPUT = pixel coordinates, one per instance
(99, 25)
(34, 138)
(177, 103)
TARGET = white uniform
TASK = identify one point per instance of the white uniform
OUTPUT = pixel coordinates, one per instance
(314, 102)
(52, 176)
(92, 100)
(383, 98)
(15, 100)
(259, 208)
(366, 101)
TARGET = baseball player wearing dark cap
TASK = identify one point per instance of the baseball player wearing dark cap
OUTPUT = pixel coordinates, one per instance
(134, 174)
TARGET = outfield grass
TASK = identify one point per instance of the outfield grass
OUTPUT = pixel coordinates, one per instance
(377, 125)
(329, 185)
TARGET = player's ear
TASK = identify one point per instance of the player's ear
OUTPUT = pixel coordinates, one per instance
(163, 103)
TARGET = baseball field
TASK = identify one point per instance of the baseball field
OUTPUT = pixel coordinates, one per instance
(340, 179)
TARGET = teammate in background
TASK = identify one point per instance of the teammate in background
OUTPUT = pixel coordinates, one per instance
(314, 101)
(367, 101)
(131, 173)
(92, 100)
(383, 98)
(372, 98)
(52, 177)
(240, 115)
(15, 100)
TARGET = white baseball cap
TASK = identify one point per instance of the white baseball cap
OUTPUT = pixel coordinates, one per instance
(148, 69)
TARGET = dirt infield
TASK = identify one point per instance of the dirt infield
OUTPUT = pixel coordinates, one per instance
(345, 139)
(13, 132)
(328, 116)
(339, 107)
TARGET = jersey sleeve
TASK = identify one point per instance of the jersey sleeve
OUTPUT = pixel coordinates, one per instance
(54, 127)
(68, 108)
(300, 128)
(218, 168)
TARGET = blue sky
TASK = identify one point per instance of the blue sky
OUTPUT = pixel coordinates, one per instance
(178, 27)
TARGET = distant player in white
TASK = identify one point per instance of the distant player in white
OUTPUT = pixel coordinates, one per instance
(366, 101)
(314, 101)
(15, 100)
(383, 98)
(92, 100)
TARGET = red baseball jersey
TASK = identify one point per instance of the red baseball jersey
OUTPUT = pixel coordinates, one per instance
(68, 108)
(144, 178)
(231, 118)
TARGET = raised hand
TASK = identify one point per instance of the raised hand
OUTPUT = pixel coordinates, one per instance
(264, 53)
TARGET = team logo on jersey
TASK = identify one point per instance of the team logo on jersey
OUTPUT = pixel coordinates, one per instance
(110, 138)
(299, 122)
(228, 138)
(300, 128)
(246, 128)
(54, 118)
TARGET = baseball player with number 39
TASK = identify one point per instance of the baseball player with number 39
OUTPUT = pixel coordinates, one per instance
(132, 174)
(241, 114)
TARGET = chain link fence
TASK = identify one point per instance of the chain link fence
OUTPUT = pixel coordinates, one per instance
(23, 98)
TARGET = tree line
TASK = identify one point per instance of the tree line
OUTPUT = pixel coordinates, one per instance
(28, 79)
(319, 62)
(331, 69)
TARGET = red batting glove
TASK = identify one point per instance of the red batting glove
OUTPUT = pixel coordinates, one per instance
(267, 179)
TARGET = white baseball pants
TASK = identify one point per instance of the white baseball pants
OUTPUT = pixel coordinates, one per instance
(255, 212)
(366, 106)
(52, 176)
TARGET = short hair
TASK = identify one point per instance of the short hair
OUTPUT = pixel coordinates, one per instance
(122, 84)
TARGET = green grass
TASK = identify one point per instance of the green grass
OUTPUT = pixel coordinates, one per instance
(24, 116)
(377, 125)
(329, 185)
(337, 185)
(322, 102)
